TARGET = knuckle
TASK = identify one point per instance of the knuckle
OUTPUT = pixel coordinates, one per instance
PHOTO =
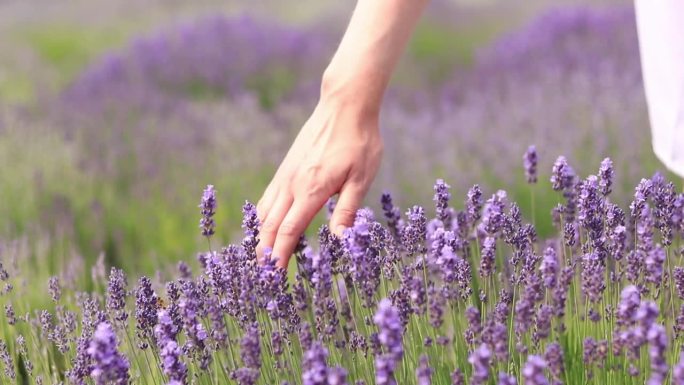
(345, 214)
(315, 188)
(289, 229)
(269, 227)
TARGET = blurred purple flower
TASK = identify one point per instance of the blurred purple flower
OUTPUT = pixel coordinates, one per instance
(480, 359)
(533, 371)
(109, 366)
(530, 164)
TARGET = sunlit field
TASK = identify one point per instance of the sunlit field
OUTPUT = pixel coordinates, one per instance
(520, 230)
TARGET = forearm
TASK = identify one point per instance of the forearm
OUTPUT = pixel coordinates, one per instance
(375, 39)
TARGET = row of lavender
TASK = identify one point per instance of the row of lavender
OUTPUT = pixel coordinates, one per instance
(225, 96)
(470, 296)
(569, 80)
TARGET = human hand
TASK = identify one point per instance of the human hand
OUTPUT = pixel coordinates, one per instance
(338, 150)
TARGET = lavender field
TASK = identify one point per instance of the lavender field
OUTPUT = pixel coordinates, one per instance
(520, 230)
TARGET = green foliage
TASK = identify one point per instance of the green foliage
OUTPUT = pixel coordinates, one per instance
(68, 48)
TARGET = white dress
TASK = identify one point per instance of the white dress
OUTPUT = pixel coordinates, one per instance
(660, 24)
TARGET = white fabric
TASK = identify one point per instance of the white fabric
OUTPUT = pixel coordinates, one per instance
(660, 25)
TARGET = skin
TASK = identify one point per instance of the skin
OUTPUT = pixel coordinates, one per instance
(339, 148)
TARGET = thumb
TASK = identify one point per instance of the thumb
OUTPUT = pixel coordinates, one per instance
(345, 210)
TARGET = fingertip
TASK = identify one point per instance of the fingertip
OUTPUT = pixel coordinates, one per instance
(339, 230)
(283, 262)
(266, 255)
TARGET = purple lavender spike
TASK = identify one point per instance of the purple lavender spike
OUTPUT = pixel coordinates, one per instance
(533, 371)
(424, 371)
(606, 176)
(530, 164)
(441, 198)
(390, 336)
(480, 359)
(145, 311)
(208, 209)
(505, 379)
(116, 295)
(109, 366)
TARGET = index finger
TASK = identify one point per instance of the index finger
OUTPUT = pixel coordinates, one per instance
(295, 222)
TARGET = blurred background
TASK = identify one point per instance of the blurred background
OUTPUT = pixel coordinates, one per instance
(114, 115)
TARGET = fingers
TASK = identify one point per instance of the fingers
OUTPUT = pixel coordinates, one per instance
(272, 222)
(266, 202)
(293, 225)
(343, 217)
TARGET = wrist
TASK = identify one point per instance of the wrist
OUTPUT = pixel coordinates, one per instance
(357, 94)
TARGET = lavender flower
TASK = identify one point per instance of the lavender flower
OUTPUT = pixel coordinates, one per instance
(641, 193)
(472, 333)
(664, 198)
(315, 370)
(21, 349)
(533, 371)
(549, 268)
(678, 275)
(592, 277)
(493, 214)
(525, 306)
(457, 377)
(480, 359)
(4, 275)
(116, 295)
(337, 376)
(109, 366)
(82, 363)
(487, 257)
(678, 371)
(192, 310)
(424, 371)
(437, 302)
(474, 204)
(630, 300)
(415, 231)
(554, 359)
(590, 351)
(543, 323)
(54, 289)
(591, 209)
(390, 336)
(365, 263)
(505, 379)
(654, 265)
(145, 311)
(172, 364)
(657, 339)
(314, 366)
(562, 175)
(10, 315)
(250, 349)
(496, 336)
(606, 176)
(7, 361)
(392, 214)
(185, 270)
(441, 199)
(208, 209)
(530, 164)
(250, 226)
(384, 370)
